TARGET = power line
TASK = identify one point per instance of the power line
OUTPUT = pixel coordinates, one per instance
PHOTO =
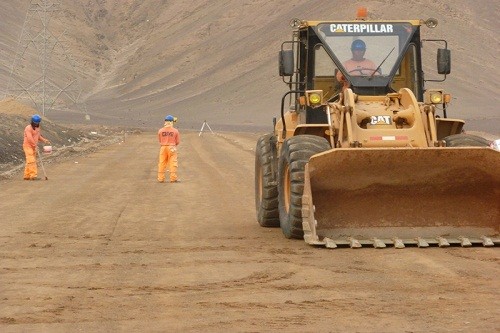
(43, 70)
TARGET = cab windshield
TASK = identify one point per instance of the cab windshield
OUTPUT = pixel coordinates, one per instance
(368, 54)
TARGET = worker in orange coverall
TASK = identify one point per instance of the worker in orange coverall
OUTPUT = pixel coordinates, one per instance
(169, 138)
(31, 137)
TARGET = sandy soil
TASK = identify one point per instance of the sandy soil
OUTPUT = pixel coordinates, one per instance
(102, 247)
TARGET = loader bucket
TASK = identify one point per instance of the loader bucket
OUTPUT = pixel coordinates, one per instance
(402, 196)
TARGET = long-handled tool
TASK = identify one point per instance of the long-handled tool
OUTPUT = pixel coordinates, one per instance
(41, 162)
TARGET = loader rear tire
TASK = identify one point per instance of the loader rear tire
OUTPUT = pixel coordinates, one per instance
(466, 140)
(266, 188)
(295, 153)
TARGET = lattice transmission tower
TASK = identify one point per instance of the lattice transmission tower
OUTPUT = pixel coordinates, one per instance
(43, 71)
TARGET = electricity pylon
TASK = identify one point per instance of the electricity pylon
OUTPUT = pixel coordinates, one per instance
(43, 71)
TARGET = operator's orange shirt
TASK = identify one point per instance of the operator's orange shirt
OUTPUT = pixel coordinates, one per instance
(168, 136)
(31, 136)
(358, 68)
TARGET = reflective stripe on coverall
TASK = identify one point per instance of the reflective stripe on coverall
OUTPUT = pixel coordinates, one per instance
(168, 136)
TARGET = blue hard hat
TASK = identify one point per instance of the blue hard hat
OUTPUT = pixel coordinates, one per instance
(36, 119)
(358, 44)
(169, 118)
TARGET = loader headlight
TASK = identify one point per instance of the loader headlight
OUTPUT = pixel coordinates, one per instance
(436, 98)
(314, 97)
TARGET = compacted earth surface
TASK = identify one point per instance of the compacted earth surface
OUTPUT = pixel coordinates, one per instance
(101, 246)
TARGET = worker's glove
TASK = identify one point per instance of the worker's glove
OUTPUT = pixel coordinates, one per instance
(173, 149)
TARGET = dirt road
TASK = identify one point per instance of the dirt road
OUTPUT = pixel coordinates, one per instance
(102, 247)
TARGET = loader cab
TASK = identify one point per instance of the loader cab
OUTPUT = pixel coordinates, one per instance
(322, 58)
(375, 58)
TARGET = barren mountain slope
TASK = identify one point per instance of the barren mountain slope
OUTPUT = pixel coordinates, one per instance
(217, 60)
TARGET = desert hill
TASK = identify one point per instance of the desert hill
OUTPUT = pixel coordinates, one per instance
(138, 60)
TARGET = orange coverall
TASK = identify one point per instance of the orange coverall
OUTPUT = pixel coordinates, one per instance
(31, 137)
(169, 138)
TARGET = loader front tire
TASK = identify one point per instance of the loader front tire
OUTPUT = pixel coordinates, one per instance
(266, 188)
(295, 153)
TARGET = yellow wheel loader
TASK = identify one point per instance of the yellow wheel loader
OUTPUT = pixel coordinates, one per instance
(364, 154)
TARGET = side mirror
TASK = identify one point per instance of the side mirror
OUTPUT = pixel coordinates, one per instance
(444, 61)
(286, 63)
